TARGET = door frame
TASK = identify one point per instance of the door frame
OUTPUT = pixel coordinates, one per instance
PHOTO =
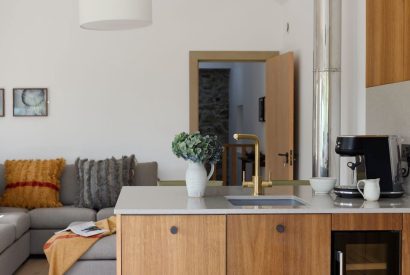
(215, 56)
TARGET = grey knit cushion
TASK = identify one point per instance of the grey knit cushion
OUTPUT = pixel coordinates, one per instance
(101, 181)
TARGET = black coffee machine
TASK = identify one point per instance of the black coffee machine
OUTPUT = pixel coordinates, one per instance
(375, 157)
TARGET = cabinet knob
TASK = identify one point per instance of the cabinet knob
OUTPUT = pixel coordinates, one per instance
(280, 228)
(174, 230)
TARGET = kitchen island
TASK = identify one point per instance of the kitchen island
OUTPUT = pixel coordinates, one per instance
(162, 231)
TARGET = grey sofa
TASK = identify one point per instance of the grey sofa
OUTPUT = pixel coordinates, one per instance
(23, 232)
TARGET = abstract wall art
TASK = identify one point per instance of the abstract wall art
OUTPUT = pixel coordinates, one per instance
(30, 102)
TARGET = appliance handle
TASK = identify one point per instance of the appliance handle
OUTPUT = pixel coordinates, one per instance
(339, 258)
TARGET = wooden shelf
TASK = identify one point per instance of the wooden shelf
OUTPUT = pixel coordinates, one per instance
(366, 266)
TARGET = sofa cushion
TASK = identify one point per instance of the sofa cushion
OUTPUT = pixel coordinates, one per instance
(12, 210)
(69, 187)
(57, 218)
(101, 181)
(20, 221)
(2, 180)
(103, 249)
(32, 183)
(146, 174)
(105, 213)
(7, 236)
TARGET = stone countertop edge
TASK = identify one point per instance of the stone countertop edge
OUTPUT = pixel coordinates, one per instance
(173, 200)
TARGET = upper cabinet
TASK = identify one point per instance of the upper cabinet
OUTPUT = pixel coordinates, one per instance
(387, 41)
(406, 59)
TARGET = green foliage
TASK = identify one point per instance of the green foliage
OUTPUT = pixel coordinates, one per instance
(197, 148)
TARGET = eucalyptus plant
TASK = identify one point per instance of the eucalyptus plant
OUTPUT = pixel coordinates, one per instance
(197, 148)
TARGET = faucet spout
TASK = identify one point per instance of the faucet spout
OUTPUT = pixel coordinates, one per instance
(256, 181)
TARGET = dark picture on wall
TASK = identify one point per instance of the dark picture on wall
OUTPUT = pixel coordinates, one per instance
(2, 103)
(30, 102)
(261, 109)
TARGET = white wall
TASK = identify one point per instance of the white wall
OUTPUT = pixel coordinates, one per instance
(114, 93)
(388, 110)
(299, 14)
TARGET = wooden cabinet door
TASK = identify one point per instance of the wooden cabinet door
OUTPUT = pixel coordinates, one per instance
(406, 58)
(173, 245)
(405, 257)
(307, 244)
(385, 39)
(254, 246)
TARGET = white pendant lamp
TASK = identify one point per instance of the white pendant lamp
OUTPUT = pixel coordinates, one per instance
(114, 14)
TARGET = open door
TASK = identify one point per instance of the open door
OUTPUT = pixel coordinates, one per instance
(279, 116)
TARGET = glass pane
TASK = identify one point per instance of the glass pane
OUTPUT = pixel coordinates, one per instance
(366, 259)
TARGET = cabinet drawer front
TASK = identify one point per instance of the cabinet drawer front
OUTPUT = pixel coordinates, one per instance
(173, 245)
(278, 244)
(367, 222)
(255, 244)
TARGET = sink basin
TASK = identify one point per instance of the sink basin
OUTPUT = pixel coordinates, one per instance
(289, 201)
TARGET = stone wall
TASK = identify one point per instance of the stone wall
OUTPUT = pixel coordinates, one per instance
(214, 103)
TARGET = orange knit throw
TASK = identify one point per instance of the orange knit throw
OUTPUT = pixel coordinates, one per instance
(64, 249)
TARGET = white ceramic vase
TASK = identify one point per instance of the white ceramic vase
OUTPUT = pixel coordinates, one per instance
(197, 179)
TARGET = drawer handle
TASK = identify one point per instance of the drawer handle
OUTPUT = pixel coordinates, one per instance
(174, 230)
(280, 228)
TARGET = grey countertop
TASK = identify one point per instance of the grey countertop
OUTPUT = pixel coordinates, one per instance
(173, 200)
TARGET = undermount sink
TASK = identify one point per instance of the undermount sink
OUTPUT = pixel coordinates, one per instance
(290, 201)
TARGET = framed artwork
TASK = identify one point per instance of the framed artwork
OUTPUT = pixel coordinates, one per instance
(2, 113)
(30, 102)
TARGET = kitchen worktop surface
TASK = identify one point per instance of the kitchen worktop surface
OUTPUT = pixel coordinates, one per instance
(173, 200)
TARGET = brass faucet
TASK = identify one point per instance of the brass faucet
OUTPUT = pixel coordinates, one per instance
(256, 182)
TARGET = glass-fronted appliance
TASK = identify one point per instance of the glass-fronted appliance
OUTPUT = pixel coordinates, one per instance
(366, 253)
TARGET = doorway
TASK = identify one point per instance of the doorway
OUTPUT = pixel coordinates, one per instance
(227, 94)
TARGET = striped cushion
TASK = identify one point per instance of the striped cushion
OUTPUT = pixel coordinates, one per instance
(32, 183)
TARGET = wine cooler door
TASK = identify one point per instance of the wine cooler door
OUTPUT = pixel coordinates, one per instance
(366, 253)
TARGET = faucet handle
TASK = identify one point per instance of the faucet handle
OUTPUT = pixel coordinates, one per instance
(267, 183)
(244, 182)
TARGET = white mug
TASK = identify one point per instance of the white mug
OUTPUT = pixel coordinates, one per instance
(371, 189)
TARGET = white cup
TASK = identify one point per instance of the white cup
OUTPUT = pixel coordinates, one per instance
(371, 189)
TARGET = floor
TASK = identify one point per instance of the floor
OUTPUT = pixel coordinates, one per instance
(33, 266)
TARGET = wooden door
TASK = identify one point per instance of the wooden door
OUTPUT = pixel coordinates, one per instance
(254, 246)
(307, 244)
(173, 245)
(385, 42)
(279, 116)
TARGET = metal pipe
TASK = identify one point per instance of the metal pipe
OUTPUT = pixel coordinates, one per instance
(327, 86)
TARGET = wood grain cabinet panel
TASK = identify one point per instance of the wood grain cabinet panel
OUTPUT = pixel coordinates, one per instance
(253, 244)
(173, 245)
(405, 257)
(278, 244)
(406, 58)
(308, 241)
(360, 222)
(385, 41)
